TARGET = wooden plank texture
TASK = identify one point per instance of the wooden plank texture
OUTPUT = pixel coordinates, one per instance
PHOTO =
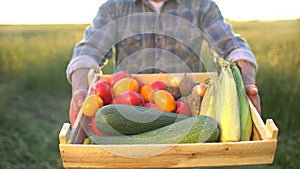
(271, 129)
(168, 156)
(64, 133)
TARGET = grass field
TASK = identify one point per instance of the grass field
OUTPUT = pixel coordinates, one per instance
(35, 95)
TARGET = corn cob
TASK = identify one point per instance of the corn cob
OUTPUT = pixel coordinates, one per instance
(245, 116)
(208, 104)
(227, 105)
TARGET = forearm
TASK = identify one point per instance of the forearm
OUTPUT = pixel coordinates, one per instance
(80, 62)
(79, 79)
(244, 55)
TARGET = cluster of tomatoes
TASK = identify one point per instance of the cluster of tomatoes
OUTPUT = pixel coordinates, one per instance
(122, 88)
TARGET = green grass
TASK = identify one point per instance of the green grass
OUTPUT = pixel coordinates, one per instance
(35, 95)
(29, 128)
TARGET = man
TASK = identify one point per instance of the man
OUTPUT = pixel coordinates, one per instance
(150, 35)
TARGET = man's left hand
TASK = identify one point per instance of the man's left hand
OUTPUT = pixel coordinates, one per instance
(248, 74)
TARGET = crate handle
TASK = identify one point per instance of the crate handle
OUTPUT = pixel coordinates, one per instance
(78, 132)
(268, 131)
(272, 129)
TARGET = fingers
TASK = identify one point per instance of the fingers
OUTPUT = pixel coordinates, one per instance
(78, 98)
(72, 114)
(76, 103)
(251, 89)
(253, 95)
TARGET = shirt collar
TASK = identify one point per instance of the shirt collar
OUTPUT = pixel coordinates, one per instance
(179, 1)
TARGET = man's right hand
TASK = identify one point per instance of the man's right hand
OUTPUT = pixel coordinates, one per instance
(76, 103)
(79, 81)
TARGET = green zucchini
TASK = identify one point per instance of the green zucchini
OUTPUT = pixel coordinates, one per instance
(119, 119)
(245, 114)
(190, 130)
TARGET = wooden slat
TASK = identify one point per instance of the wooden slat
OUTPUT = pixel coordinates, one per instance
(271, 129)
(258, 122)
(168, 156)
(255, 133)
(166, 77)
(64, 133)
(268, 131)
(90, 76)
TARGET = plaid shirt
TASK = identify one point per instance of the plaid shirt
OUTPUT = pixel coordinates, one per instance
(148, 42)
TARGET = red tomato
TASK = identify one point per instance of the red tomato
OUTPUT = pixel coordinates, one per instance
(130, 97)
(158, 85)
(182, 108)
(118, 76)
(102, 89)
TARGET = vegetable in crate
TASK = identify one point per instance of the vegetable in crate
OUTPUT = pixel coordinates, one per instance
(200, 89)
(193, 101)
(117, 119)
(190, 130)
(125, 84)
(186, 86)
(130, 97)
(91, 105)
(182, 108)
(227, 105)
(175, 92)
(164, 100)
(103, 90)
(208, 104)
(158, 85)
(245, 116)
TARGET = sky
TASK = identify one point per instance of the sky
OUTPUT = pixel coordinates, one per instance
(83, 11)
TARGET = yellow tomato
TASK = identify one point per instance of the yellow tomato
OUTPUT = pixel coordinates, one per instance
(164, 100)
(176, 80)
(91, 105)
(125, 84)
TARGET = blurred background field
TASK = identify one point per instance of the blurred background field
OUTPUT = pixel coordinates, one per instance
(35, 95)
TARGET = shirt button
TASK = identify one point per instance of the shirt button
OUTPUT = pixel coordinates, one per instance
(157, 39)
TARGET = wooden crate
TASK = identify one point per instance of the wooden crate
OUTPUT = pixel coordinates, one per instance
(260, 150)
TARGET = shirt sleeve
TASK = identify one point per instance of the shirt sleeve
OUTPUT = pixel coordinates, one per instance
(95, 47)
(242, 54)
(221, 38)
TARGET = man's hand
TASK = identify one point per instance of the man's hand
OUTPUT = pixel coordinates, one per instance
(79, 91)
(76, 103)
(248, 74)
(253, 95)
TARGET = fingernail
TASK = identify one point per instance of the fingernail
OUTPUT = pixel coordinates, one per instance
(254, 88)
